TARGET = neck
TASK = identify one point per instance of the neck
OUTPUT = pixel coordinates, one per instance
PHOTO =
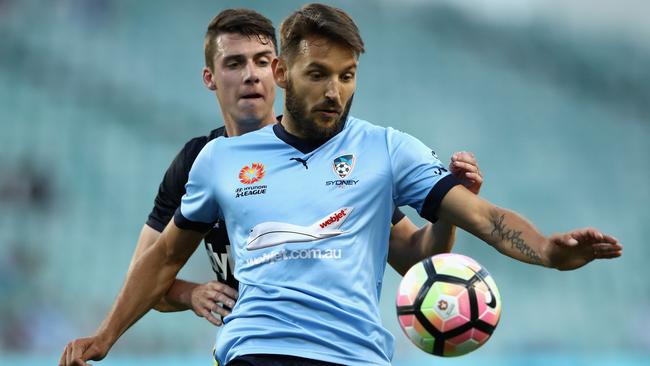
(238, 128)
(290, 126)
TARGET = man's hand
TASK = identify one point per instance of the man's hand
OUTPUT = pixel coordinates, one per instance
(464, 166)
(77, 352)
(148, 280)
(576, 248)
(208, 297)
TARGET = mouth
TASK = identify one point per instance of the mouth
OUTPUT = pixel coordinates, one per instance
(252, 96)
(328, 112)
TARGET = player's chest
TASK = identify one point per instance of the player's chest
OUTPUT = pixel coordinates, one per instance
(285, 180)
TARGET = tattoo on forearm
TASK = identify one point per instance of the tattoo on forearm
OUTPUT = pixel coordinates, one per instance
(514, 237)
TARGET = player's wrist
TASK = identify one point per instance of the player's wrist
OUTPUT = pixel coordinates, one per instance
(546, 257)
(181, 293)
(185, 296)
(104, 340)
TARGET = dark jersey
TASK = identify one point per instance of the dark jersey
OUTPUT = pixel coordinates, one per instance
(172, 189)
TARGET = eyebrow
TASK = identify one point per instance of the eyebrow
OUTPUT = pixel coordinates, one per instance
(240, 56)
(321, 66)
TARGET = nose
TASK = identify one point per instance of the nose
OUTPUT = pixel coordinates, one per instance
(250, 74)
(332, 90)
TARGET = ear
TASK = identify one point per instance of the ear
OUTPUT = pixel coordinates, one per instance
(208, 79)
(280, 72)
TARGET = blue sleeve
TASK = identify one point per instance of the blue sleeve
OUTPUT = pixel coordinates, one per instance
(199, 209)
(420, 180)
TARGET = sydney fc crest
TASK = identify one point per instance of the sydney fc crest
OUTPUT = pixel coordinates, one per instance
(343, 165)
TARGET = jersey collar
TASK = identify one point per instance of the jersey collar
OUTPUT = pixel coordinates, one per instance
(305, 146)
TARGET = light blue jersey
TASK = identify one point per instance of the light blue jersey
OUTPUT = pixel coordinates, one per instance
(309, 229)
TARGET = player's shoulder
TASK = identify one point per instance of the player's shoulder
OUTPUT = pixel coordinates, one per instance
(390, 137)
(360, 127)
(362, 124)
(217, 132)
(253, 138)
(194, 145)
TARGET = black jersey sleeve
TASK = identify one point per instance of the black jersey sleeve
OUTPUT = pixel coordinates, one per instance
(435, 196)
(172, 187)
(398, 215)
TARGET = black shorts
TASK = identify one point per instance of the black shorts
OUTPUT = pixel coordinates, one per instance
(277, 360)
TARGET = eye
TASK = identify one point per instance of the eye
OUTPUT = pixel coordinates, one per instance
(315, 75)
(263, 62)
(348, 76)
(232, 64)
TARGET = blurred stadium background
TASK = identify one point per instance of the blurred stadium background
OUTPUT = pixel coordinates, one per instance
(97, 96)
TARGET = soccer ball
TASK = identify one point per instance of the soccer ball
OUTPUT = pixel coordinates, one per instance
(342, 169)
(448, 305)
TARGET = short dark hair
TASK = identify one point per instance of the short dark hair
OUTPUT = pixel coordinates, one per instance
(246, 22)
(323, 20)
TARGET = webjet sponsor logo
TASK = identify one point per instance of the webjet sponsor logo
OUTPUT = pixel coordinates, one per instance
(302, 254)
(335, 218)
(269, 234)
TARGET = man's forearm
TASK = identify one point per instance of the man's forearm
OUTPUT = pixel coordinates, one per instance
(410, 244)
(148, 280)
(432, 239)
(505, 230)
(444, 236)
(514, 236)
(178, 298)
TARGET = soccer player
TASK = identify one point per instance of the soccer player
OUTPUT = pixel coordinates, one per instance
(310, 244)
(239, 47)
